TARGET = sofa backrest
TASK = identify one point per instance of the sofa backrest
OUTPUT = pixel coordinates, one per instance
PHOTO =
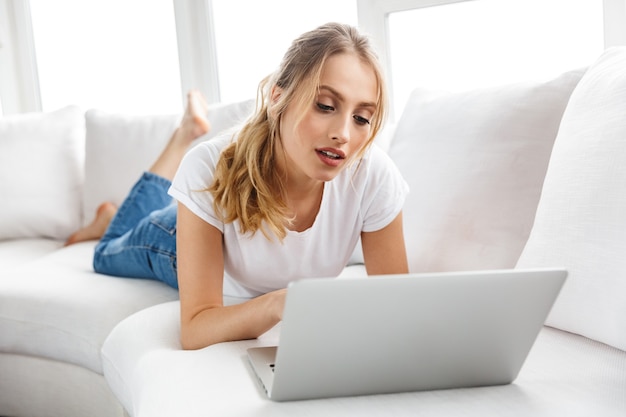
(41, 173)
(581, 217)
(119, 147)
(475, 162)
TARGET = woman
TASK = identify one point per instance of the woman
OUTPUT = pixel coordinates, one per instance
(285, 198)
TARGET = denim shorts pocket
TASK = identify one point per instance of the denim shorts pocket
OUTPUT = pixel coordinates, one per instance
(165, 219)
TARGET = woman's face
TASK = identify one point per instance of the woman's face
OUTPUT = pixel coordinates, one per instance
(335, 126)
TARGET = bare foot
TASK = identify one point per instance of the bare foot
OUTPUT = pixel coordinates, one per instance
(95, 229)
(194, 122)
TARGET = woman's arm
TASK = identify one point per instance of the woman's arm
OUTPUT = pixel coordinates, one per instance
(204, 318)
(384, 251)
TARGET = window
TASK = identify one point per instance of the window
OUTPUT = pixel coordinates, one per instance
(123, 56)
(114, 55)
(479, 43)
(252, 36)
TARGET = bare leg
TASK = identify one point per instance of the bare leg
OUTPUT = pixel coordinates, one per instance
(193, 125)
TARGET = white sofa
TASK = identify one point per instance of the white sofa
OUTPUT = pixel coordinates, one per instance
(523, 175)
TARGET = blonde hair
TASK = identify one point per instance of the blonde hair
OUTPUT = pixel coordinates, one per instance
(247, 186)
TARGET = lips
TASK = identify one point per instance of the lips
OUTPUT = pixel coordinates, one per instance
(332, 153)
(330, 156)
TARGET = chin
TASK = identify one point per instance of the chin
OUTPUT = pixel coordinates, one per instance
(327, 176)
(327, 173)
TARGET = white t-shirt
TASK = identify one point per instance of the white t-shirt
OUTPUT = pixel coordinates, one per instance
(362, 198)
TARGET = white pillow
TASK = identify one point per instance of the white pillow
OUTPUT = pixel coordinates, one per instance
(41, 174)
(475, 162)
(581, 218)
(120, 147)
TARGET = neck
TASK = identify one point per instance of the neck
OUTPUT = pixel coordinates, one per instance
(302, 190)
(303, 205)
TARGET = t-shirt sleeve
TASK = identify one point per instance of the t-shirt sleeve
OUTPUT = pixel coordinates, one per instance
(193, 178)
(385, 191)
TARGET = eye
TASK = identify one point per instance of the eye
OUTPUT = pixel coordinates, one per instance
(361, 120)
(324, 107)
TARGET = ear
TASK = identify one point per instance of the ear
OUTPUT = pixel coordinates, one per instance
(275, 94)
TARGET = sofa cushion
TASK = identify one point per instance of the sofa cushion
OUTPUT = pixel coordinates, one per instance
(475, 162)
(564, 375)
(581, 220)
(57, 308)
(19, 252)
(41, 175)
(119, 147)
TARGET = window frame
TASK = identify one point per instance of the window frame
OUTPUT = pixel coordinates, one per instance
(197, 54)
(19, 80)
(19, 84)
(373, 16)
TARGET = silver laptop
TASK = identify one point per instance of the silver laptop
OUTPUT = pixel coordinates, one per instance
(398, 333)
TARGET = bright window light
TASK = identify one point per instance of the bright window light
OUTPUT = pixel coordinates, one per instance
(252, 36)
(114, 55)
(482, 43)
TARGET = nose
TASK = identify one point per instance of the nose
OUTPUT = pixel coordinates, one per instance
(340, 129)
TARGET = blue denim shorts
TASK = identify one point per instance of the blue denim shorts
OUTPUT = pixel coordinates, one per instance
(140, 242)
